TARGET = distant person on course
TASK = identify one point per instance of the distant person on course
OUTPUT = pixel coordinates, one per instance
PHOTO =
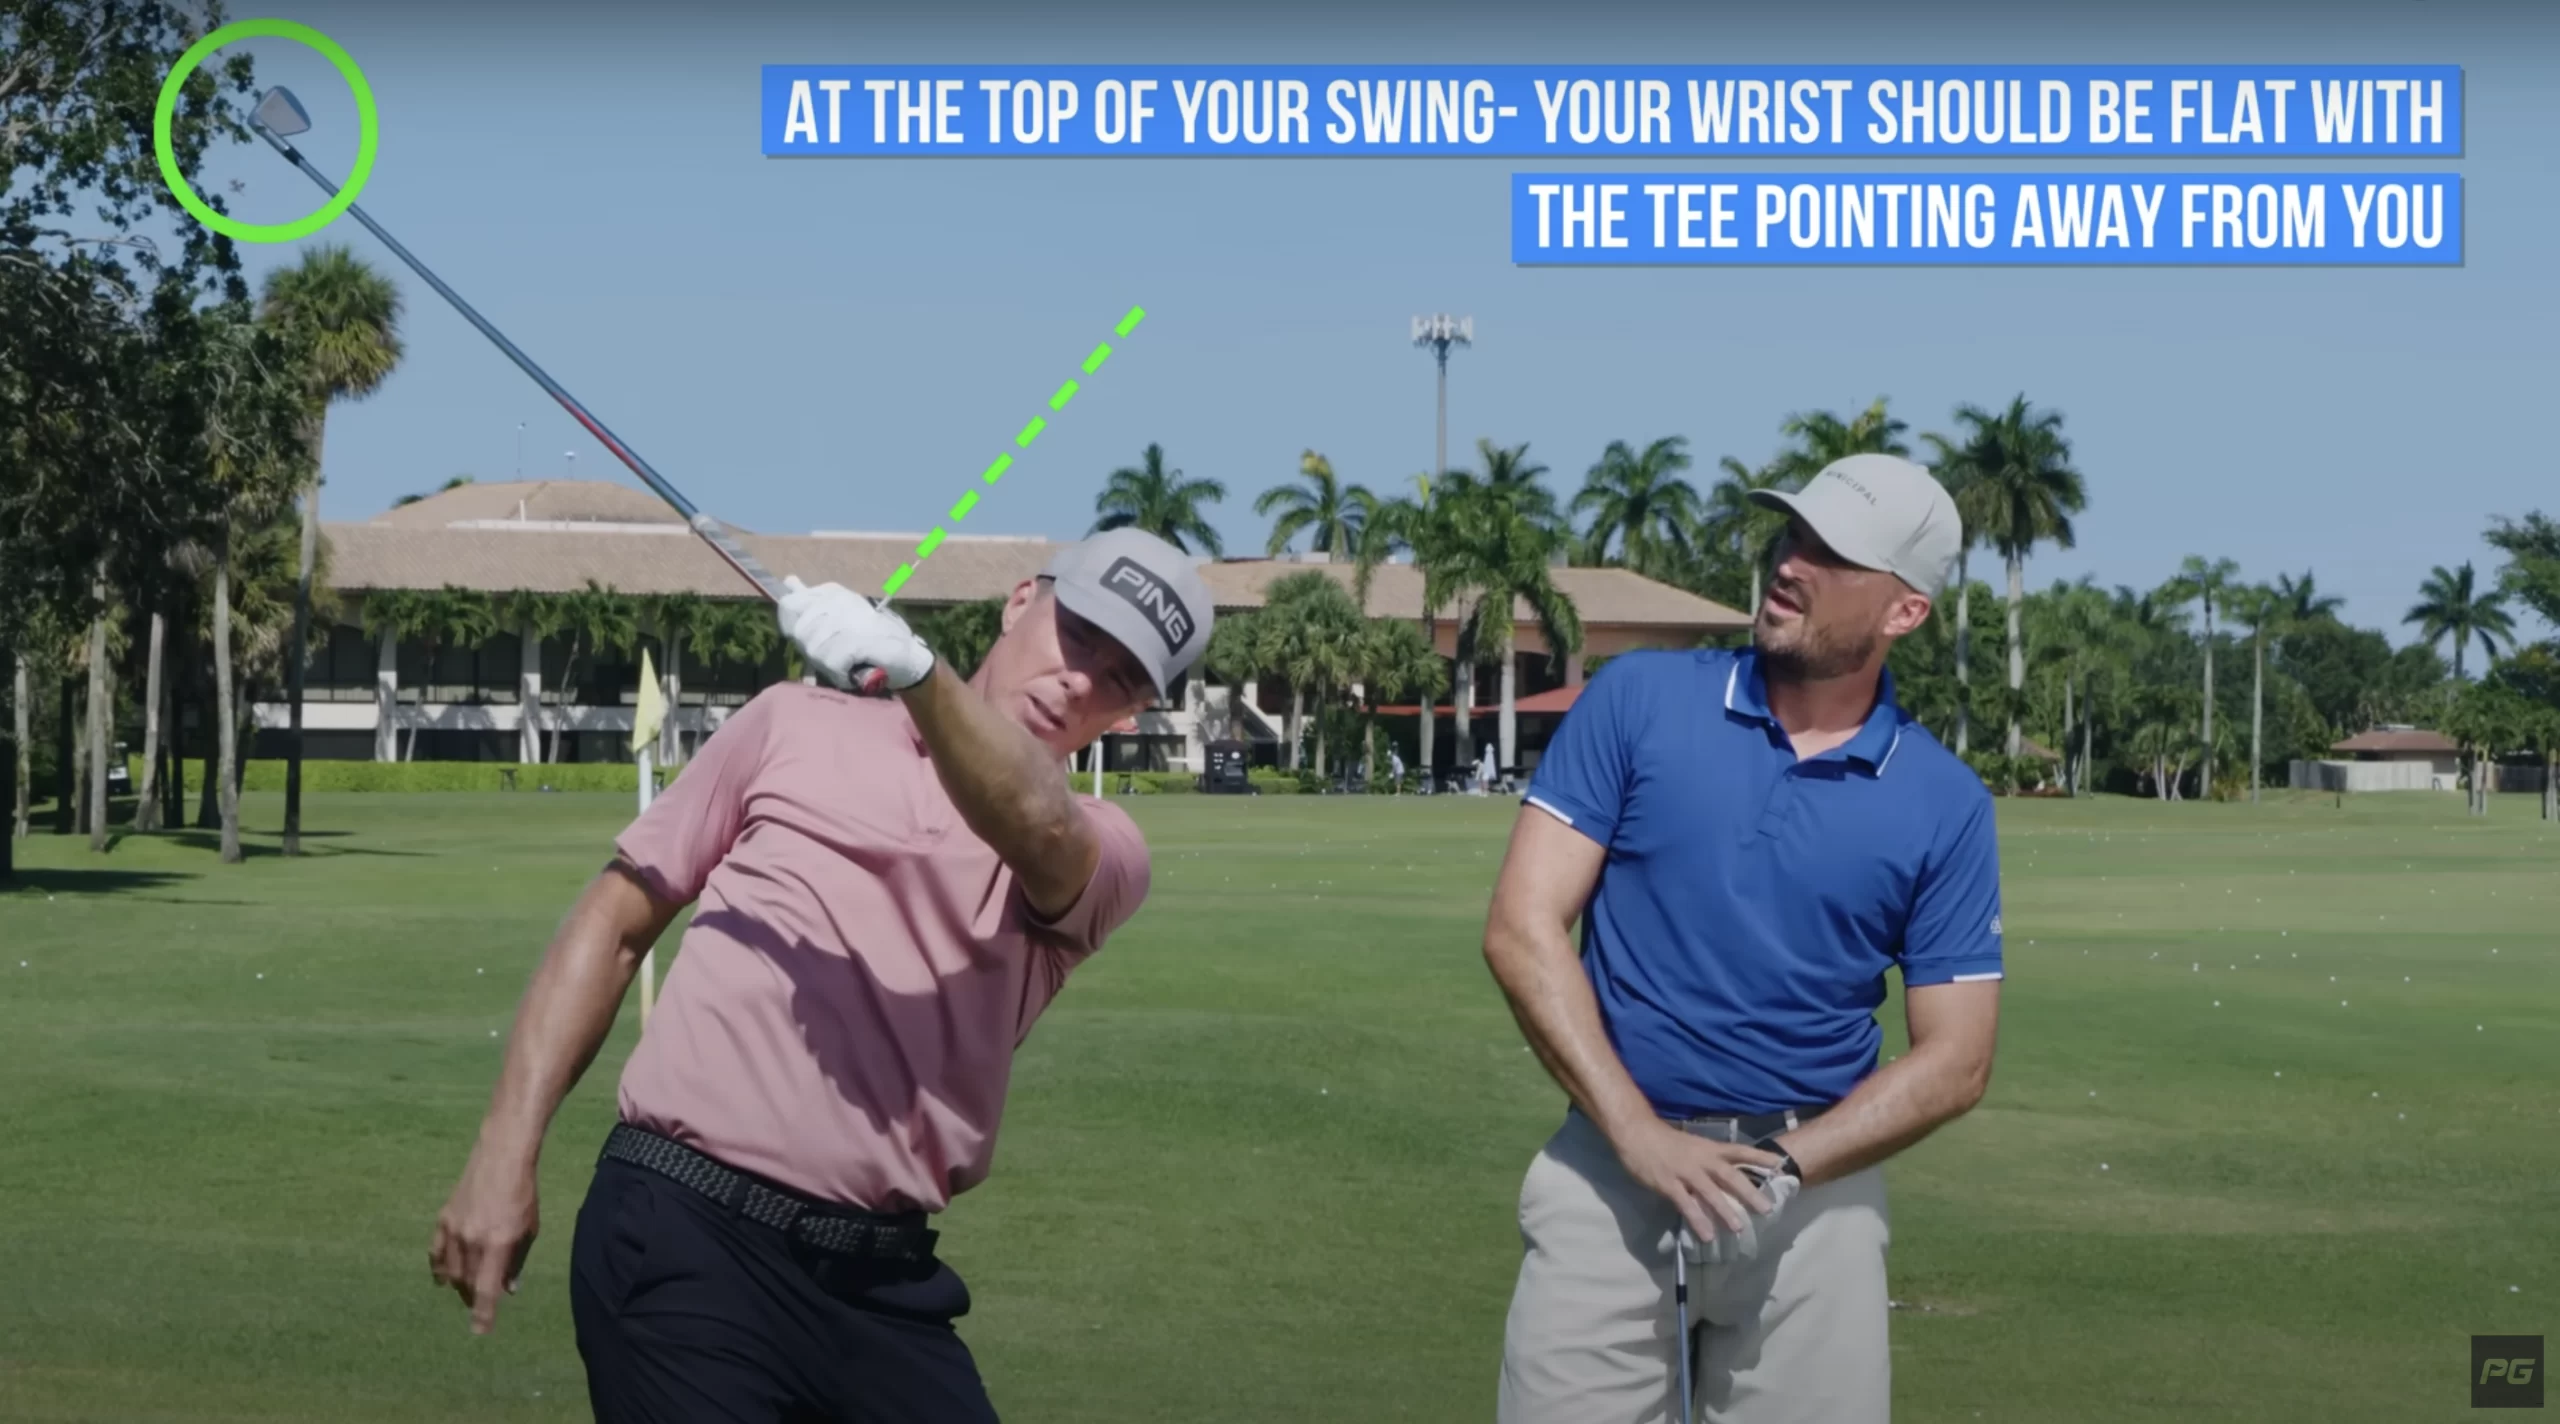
(889, 891)
(1751, 840)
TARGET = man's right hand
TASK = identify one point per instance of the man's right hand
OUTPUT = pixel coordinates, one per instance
(483, 1235)
(1700, 1176)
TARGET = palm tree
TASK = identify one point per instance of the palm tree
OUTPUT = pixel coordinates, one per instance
(1638, 500)
(2451, 606)
(676, 617)
(451, 617)
(597, 620)
(2203, 582)
(1397, 660)
(2262, 611)
(1512, 477)
(1160, 501)
(2303, 601)
(1308, 632)
(391, 616)
(1323, 505)
(1502, 553)
(1955, 466)
(1740, 525)
(344, 317)
(1821, 437)
(1232, 659)
(253, 444)
(540, 617)
(2019, 490)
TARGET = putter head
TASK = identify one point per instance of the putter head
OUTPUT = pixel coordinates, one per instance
(281, 114)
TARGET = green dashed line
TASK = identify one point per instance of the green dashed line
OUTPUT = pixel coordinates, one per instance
(995, 471)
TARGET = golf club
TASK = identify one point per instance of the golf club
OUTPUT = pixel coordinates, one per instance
(279, 116)
(1680, 1298)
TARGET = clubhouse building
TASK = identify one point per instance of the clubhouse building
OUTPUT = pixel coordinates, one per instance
(383, 697)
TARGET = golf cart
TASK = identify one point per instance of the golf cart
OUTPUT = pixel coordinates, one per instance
(1226, 775)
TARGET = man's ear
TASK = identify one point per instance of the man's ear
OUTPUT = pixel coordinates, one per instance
(1907, 613)
(1019, 602)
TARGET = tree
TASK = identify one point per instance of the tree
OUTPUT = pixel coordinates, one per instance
(1309, 633)
(1637, 500)
(2532, 573)
(1821, 438)
(1739, 527)
(254, 449)
(1325, 507)
(597, 620)
(2261, 610)
(2486, 718)
(2450, 606)
(963, 633)
(1396, 661)
(1503, 553)
(677, 617)
(450, 617)
(1232, 659)
(2201, 581)
(344, 318)
(2303, 602)
(2019, 490)
(1160, 501)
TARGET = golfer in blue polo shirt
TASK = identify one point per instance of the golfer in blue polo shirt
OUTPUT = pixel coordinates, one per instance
(1751, 841)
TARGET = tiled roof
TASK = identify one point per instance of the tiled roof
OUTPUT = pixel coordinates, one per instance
(544, 557)
(537, 501)
(2397, 739)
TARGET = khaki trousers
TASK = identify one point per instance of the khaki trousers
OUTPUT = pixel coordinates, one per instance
(1794, 1336)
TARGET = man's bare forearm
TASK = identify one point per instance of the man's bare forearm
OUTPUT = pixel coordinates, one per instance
(1895, 1107)
(1542, 977)
(567, 1011)
(1006, 784)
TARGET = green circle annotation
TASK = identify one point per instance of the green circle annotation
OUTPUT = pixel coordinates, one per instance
(366, 128)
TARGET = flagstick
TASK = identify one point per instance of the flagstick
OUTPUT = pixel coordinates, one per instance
(648, 960)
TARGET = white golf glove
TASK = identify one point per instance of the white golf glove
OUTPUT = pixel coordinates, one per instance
(841, 633)
(1727, 1246)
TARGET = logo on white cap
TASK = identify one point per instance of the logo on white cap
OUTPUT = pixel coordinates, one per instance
(1163, 609)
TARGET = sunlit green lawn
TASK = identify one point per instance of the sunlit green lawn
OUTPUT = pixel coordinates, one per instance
(2275, 1127)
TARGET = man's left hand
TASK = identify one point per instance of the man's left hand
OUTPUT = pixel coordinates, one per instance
(842, 633)
(1730, 1246)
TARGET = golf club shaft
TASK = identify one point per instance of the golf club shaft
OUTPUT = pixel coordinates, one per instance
(711, 531)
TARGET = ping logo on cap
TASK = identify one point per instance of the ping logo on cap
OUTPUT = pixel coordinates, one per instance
(1145, 592)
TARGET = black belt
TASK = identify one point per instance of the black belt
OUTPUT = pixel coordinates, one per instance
(1755, 1126)
(839, 1229)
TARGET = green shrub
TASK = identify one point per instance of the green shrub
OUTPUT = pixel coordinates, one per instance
(1272, 782)
(444, 776)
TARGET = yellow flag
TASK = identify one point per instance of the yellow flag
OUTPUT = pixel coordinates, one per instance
(653, 708)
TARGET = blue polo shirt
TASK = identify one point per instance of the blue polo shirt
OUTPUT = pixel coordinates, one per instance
(1751, 903)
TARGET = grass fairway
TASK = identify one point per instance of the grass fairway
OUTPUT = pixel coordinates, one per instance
(1262, 1158)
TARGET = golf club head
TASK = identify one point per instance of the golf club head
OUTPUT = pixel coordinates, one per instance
(281, 114)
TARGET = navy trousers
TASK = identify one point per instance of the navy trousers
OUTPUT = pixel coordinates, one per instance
(686, 1312)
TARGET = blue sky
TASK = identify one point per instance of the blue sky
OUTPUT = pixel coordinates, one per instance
(843, 344)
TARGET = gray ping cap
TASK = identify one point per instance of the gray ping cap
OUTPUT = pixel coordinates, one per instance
(1880, 512)
(1142, 591)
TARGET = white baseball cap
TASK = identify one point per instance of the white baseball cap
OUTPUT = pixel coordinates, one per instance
(1144, 592)
(1880, 512)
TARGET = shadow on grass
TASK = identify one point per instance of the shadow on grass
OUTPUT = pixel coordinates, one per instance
(261, 847)
(59, 881)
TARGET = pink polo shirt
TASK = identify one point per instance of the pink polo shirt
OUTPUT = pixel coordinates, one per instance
(843, 1013)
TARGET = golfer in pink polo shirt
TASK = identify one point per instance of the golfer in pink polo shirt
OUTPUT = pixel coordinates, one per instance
(888, 893)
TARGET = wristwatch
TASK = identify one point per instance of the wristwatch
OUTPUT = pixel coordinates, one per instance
(1786, 1161)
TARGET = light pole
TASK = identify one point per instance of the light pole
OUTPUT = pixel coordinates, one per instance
(519, 451)
(1439, 333)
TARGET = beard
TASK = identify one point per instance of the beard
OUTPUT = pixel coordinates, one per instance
(1811, 650)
